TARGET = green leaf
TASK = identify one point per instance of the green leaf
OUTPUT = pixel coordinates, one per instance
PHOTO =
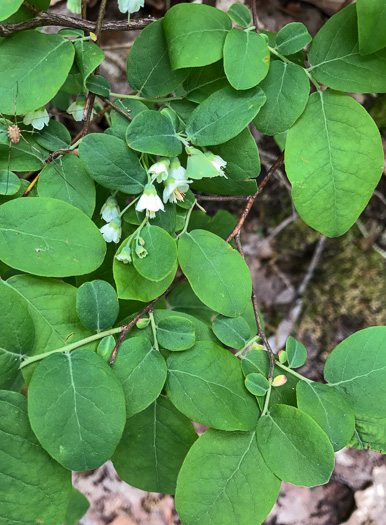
(206, 384)
(17, 332)
(296, 353)
(336, 60)
(9, 7)
(161, 257)
(112, 164)
(77, 507)
(54, 136)
(9, 183)
(329, 409)
(152, 132)
(371, 23)
(356, 367)
(35, 488)
(233, 332)
(216, 272)
(66, 179)
(246, 58)
(334, 173)
(257, 384)
(223, 115)
(195, 34)
(153, 447)
(142, 372)
(49, 237)
(176, 334)
(183, 299)
(224, 479)
(76, 407)
(99, 85)
(370, 433)
(25, 156)
(203, 81)
(88, 56)
(40, 66)
(52, 307)
(148, 66)
(97, 305)
(294, 447)
(287, 88)
(71, 32)
(106, 347)
(257, 362)
(132, 285)
(292, 38)
(221, 224)
(240, 14)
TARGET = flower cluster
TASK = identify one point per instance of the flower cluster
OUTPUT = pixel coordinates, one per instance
(110, 212)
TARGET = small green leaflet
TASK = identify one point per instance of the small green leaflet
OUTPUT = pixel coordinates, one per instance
(356, 367)
(257, 384)
(216, 272)
(224, 479)
(371, 25)
(99, 85)
(176, 334)
(240, 14)
(336, 61)
(97, 305)
(206, 384)
(76, 407)
(292, 38)
(153, 447)
(77, 507)
(49, 237)
(40, 487)
(233, 332)
(329, 409)
(296, 353)
(335, 172)
(142, 373)
(295, 447)
(195, 34)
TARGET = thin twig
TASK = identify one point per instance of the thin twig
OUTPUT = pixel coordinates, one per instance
(43, 19)
(275, 166)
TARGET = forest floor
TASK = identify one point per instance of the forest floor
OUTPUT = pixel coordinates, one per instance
(318, 290)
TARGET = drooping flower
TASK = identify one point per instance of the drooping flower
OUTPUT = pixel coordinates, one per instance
(141, 252)
(112, 231)
(150, 201)
(125, 255)
(160, 169)
(76, 109)
(130, 6)
(38, 118)
(75, 6)
(176, 171)
(176, 185)
(218, 162)
(110, 209)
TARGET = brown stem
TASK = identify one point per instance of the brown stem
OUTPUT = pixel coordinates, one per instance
(52, 19)
(275, 166)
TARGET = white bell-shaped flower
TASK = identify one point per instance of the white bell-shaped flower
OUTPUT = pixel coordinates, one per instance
(130, 6)
(75, 6)
(176, 188)
(125, 255)
(160, 169)
(76, 109)
(112, 231)
(218, 162)
(37, 119)
(150, 202)
(110, 209)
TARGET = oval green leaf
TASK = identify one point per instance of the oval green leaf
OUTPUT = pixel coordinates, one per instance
(224, 479)
(98, 85)
(246, 58)
(43, 62)
(296, 353)
(142, 372)
(206, 384)
(335, 172)
(41, 482)
(223, 115)
(9, 183)
(54, 136)
(76, 407)
(294, 447)
(49, 237)
(356, 367)
(153, 447)
(257, 384)
(112, 164)
(216, 272)
(329, 409)
(195, 34)
(97, 305)
(176, 334)
(240, 14)
(233, 332)
(292, 38)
